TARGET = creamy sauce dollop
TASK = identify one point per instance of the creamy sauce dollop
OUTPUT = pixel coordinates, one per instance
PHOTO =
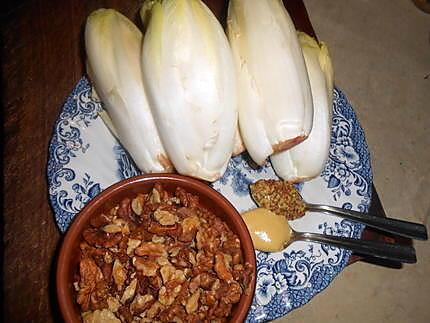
(268, 230)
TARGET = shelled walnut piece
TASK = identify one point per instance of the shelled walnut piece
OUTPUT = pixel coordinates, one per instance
(158, 257)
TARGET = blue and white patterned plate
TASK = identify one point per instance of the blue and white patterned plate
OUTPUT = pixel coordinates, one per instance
(84, 159)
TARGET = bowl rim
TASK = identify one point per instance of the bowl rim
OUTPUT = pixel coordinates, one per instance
(62, 291)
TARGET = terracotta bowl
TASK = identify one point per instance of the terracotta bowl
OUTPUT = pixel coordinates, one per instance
(69, 254)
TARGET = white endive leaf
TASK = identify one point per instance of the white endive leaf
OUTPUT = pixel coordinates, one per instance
(239, 146)
(307, 159)
(108, 122)
(189, 73)
(113, 45)
(275, 101)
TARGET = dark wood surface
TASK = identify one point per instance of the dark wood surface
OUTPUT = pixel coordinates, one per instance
(42, 59)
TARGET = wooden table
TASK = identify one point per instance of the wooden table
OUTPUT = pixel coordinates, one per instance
(43, 58)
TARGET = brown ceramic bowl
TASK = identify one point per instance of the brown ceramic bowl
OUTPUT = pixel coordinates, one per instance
(209, 198)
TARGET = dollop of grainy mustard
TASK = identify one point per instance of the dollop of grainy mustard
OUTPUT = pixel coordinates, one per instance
(280, 197)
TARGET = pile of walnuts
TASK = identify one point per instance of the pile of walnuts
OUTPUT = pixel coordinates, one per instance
(160, 257)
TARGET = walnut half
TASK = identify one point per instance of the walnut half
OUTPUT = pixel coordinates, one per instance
(165, 217)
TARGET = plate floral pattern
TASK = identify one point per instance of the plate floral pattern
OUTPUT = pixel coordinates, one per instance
(85, 158)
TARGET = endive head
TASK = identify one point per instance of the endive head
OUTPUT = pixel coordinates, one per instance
(112, 43)
(310, 46)
(189, 73)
